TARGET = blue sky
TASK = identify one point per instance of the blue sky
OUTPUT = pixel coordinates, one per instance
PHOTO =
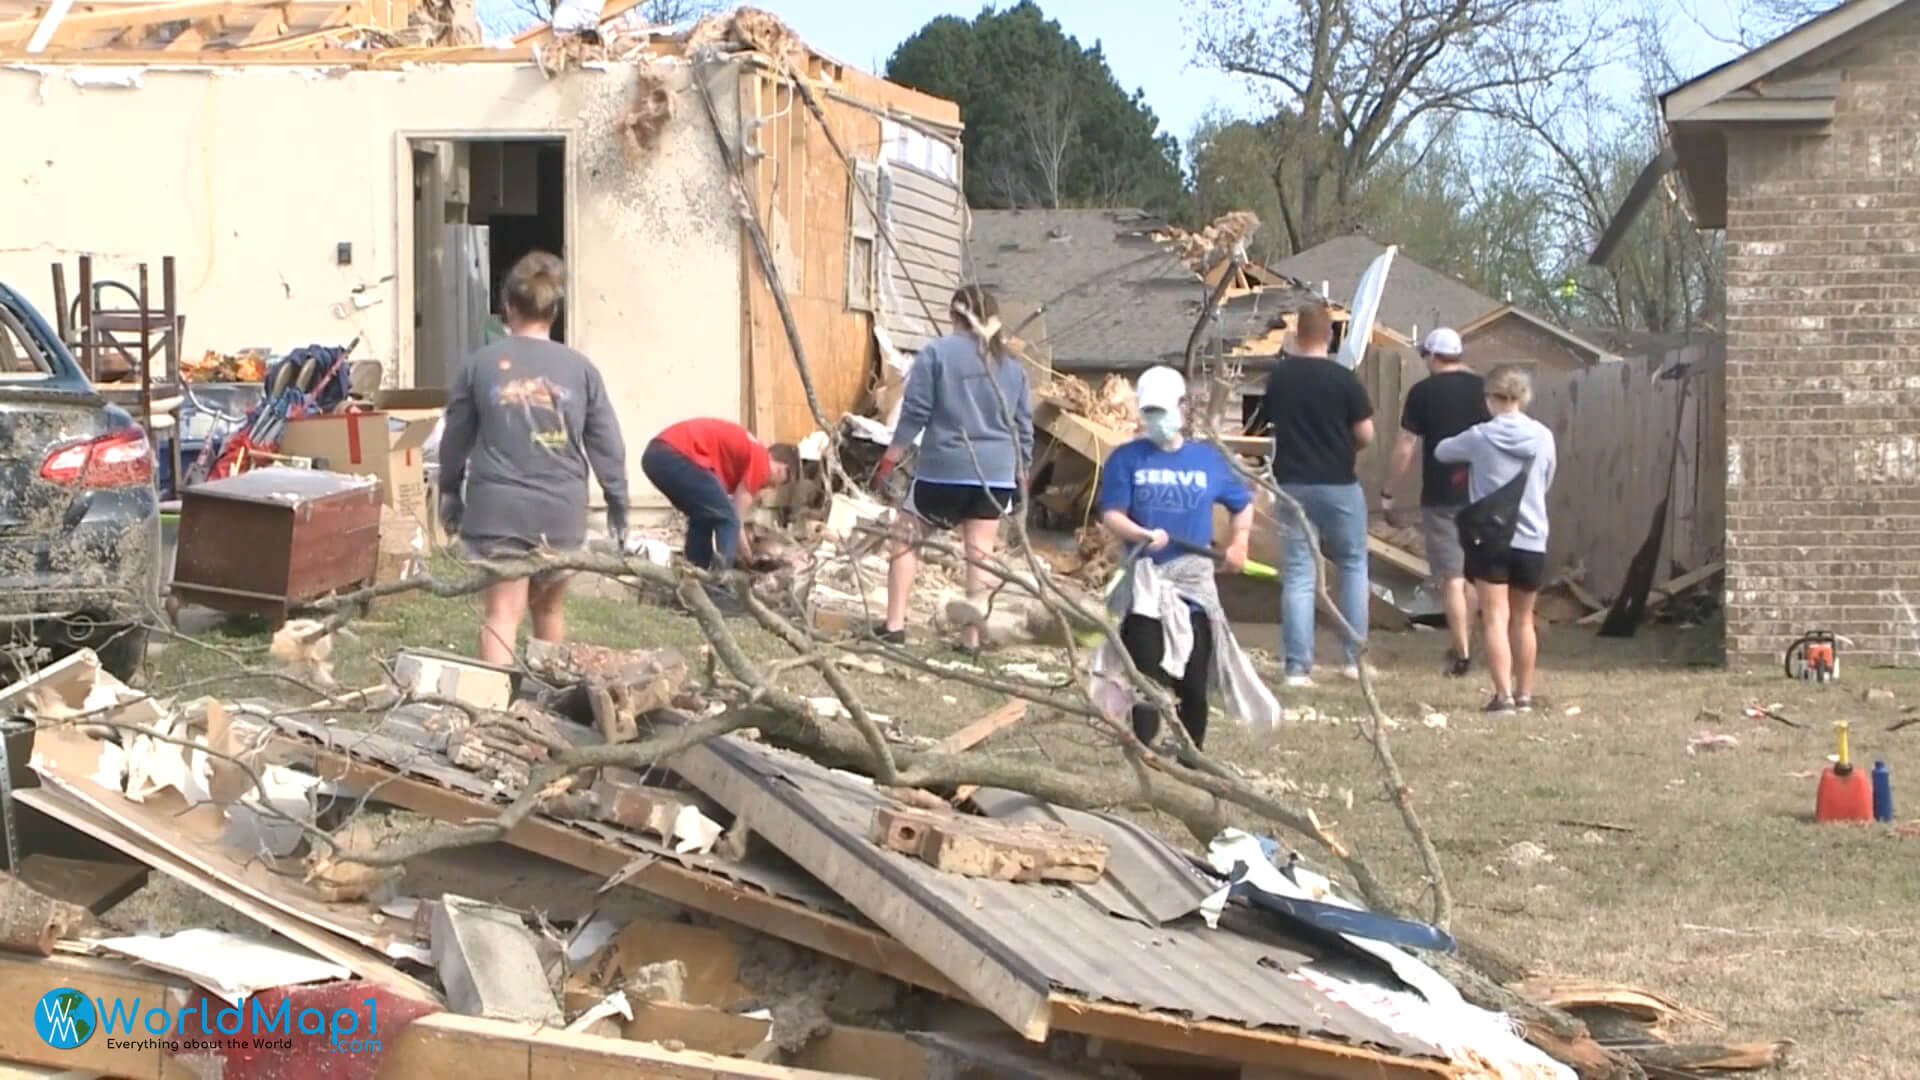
(1146, 43)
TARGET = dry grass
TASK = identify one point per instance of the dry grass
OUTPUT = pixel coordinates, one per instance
(1717, 890)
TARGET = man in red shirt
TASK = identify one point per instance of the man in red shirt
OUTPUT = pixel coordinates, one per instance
(711, 470)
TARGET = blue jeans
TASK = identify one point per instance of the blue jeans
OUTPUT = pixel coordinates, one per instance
(713, 528)
(1339, 513)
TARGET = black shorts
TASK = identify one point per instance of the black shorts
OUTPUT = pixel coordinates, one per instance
(1523, 570)
(945, 506)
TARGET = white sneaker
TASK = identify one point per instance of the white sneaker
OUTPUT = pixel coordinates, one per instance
(1352, 671)
(1300, 682)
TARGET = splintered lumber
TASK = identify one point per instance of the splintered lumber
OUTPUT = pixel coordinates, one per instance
(986, 848)
(984, 728)
(30, 921)
(1666, 591)
(1706, 1060)
(1580, 995)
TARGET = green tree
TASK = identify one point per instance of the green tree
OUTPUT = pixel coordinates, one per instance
(1357, 83)
(1046, 122)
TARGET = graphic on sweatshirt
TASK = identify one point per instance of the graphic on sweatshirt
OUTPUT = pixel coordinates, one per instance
(539, 402)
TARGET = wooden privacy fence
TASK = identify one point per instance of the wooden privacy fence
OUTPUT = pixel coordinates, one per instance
(1613, 427)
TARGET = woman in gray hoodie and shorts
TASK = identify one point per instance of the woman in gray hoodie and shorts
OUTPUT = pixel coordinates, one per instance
(1494, 453)
(969, 407)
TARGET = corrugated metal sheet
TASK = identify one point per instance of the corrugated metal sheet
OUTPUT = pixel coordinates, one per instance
(1146, 880)
(1060, 932)
(410, 759)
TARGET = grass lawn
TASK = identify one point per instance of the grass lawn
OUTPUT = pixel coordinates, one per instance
(1715, 888)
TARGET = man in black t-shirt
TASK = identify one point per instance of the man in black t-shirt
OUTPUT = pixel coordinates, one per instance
(1321, 420)
(1449, 401)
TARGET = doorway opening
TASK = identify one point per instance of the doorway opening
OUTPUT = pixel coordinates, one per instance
(479, 204)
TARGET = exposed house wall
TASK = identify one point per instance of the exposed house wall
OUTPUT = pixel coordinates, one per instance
(1823, 440)
(251, 176)
(1513, 340)
(835, 264)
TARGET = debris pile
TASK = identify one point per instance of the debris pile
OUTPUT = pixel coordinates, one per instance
(1221, 239)
(1111, 406)
(623, 912)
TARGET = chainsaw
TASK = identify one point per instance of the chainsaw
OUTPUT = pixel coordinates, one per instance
(1814, 657)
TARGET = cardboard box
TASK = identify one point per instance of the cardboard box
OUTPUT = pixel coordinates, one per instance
(387, 443)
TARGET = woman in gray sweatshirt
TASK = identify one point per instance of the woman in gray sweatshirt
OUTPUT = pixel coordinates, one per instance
(1495, 452)
(969, 407)
(526, 418)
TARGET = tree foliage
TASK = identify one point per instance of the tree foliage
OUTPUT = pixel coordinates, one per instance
(1046, 122)
(1353, 80)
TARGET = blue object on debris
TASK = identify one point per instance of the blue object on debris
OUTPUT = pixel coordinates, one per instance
(1336, 918)
(1882, 792)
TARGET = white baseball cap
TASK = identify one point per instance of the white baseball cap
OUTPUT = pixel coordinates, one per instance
(1160, 387)
(1441, 342)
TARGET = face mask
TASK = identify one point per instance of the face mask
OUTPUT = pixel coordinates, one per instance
(1163, 425)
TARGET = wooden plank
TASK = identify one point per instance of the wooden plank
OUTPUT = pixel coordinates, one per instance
(1398, 558)
(1292, 1055)
(90, 883)
(24, 979)
(710, 957)
(1766, 111)
(882, 1055)
(984, 728)
(185, 842)
(751, 908)
(360, 961)
(1664, 591)
(133, 16)
(439, 1045)
(477, 1049)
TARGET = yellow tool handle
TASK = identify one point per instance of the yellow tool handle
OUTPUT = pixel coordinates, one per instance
(1842, 726)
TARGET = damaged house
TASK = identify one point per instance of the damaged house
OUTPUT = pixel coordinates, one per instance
(367, 173)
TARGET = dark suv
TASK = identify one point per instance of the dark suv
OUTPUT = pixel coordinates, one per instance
(79, 518)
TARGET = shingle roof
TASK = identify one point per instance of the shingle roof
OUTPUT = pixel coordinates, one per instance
(1416, 296)
(1111, 297)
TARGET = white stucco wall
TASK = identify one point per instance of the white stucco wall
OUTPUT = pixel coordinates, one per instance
(251, 176)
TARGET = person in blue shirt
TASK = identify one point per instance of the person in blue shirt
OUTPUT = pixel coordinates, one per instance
(1158, 493)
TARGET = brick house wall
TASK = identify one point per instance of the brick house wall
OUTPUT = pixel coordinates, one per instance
(1823, 366)
(1513, 340)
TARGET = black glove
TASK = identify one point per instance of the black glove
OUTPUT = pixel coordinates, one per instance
(617, 524)
(450, 512)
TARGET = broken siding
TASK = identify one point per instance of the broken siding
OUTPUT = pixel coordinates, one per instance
(924, 213)
(821, 229)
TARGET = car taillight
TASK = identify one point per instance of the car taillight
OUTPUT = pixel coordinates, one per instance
(117, 460)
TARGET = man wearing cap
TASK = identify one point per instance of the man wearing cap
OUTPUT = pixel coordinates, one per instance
(1448, 401)
(1157, 495)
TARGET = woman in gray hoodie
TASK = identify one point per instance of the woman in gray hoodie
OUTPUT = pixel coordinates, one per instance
(1495, 452)
(969, 408)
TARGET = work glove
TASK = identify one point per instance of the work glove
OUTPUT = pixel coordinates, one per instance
(882, 471)
(451, 510)
(617, 524)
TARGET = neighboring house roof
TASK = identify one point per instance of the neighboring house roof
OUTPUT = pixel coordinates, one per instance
(1745, 91)
(1584, 347)
(1630, 343)
(1416, 297)
(1110, 295)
